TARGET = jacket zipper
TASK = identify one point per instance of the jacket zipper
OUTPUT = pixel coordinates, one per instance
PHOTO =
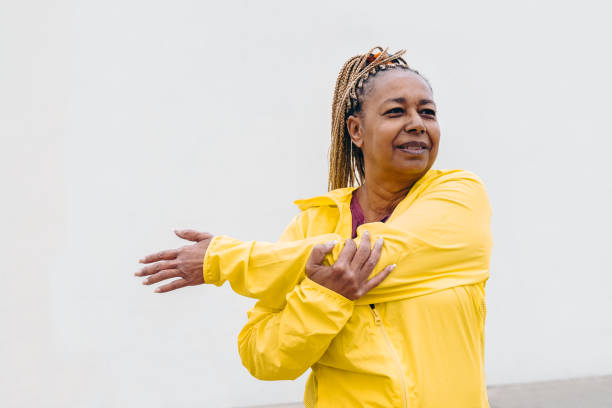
(398, 364)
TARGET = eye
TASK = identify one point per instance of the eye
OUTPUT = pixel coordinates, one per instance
(395, 111)
(428, 112)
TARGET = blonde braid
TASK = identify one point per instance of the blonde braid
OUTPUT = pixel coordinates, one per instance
(346, 164)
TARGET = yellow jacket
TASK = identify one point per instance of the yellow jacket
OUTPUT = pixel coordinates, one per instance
(416, 340)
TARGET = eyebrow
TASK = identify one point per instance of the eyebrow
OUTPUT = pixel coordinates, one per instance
(403, 100)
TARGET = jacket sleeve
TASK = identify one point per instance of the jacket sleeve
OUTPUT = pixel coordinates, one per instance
(282, 344)
(442, 239)
(262, 270)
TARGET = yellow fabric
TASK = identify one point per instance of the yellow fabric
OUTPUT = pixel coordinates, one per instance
(422, 343)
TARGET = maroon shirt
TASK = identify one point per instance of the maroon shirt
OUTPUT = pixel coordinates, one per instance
(357, 213)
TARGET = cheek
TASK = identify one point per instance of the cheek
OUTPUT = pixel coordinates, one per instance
(433, 130)
(381, 137)
(387, 131)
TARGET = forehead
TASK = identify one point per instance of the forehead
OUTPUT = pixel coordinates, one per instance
(397, 84)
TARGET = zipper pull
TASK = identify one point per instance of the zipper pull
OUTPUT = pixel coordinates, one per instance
(377, 318)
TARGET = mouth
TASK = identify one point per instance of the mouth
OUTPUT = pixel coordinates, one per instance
(413, 147)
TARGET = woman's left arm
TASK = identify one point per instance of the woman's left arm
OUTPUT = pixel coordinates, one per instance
(281, 344)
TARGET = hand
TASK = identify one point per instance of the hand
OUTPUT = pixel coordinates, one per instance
(185, 263)
(348, 276)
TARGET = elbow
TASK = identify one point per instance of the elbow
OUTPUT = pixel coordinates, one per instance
(266, 368)
(271, 374)
(269, 363)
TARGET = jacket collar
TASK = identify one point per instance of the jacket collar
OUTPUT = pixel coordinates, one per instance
(334, 198)
(342, 196)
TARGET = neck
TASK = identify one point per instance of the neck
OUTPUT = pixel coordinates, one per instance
(378, 196)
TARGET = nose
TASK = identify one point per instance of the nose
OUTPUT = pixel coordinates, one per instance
(415, 124)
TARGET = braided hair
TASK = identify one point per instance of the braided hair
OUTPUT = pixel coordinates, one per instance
(346, 163)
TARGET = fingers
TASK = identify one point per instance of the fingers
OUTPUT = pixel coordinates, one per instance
(160, 256)
(162, 275)
(175, 284)
(378, 278)
(347, 253)
(169, 254)
(318, 253)
(192, 235)
(372, 259)
(151, 269)
(362, 254)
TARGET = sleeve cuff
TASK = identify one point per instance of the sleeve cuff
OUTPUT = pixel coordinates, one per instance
(211, 275)
(308, 285)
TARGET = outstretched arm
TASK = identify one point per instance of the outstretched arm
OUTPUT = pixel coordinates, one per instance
(442, 239)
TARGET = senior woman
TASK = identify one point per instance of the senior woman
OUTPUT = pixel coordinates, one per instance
(399, 324)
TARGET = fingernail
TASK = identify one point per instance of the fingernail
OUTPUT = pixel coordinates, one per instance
(393, 266)
(157, 290)
(366, 234)
(332, 244)
(380, 241)
(144, 282)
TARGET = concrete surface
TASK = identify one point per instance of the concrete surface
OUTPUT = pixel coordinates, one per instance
(591, 392)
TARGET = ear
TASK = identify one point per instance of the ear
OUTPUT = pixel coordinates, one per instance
(354, 127)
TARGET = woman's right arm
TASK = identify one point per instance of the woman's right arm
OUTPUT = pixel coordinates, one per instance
(262, 270)
(442, 239)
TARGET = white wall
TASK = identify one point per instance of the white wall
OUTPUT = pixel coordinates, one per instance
(122, 119)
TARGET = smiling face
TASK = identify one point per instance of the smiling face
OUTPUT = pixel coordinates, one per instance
(396, 128)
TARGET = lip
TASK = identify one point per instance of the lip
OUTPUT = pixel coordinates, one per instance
(413, 147)
(415, 152)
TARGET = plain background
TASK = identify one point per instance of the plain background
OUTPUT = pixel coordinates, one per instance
(123, 119)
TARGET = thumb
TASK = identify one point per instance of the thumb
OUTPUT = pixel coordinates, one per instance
(192, 235)
(318, 254)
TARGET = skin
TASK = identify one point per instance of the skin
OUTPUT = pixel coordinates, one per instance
(397, 107)
(184, 263)
(348, 276)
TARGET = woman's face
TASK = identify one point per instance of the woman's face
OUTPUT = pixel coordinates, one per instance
(397, 129)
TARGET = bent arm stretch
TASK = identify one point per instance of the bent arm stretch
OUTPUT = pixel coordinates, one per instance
(282, 344)
(442, 239)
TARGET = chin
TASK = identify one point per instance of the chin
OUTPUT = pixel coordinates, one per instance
(414, 165)
(413, 169)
